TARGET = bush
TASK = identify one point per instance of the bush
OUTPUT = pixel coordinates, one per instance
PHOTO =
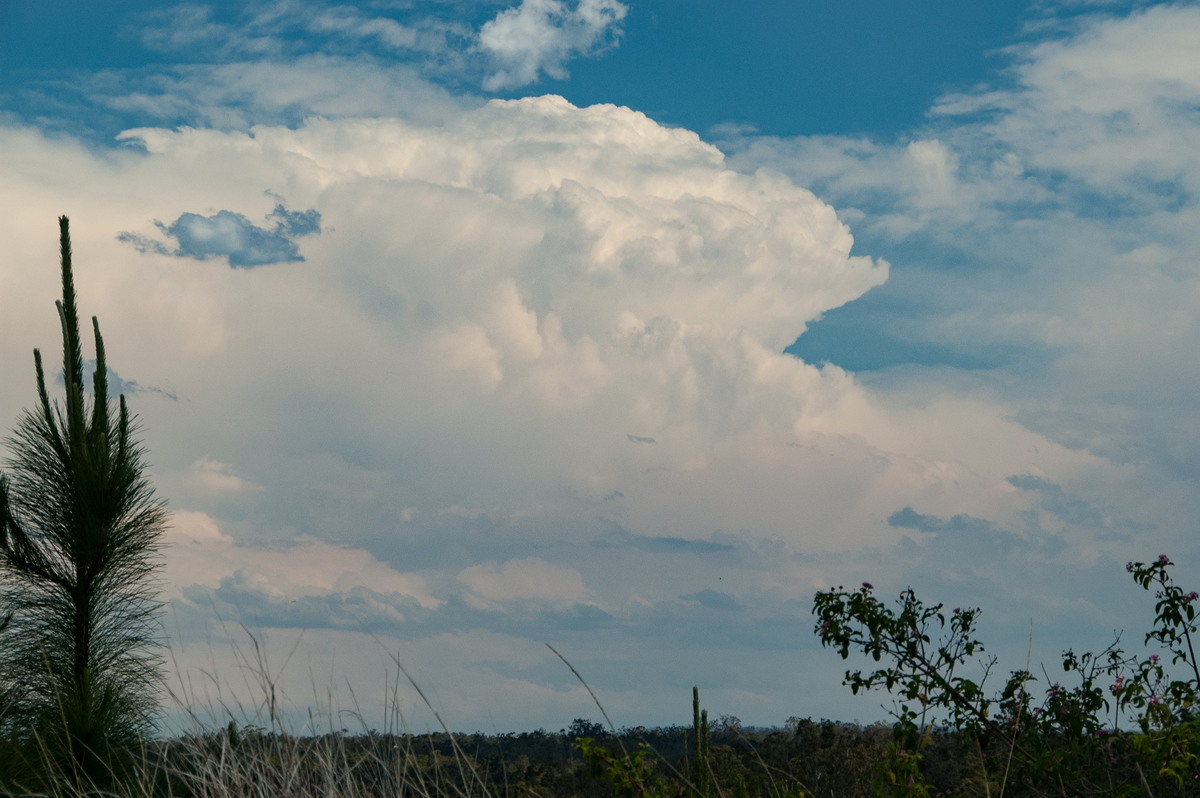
(1116, 724)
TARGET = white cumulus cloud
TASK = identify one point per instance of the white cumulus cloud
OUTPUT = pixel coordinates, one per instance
(542, 35)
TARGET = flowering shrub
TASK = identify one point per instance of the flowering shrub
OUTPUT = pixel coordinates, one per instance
(1035, 739)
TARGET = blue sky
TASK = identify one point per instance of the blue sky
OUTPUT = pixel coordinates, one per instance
(785, 69)
(458, 328)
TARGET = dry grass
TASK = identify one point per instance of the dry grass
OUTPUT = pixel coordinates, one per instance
(239, 748)
(232, 747)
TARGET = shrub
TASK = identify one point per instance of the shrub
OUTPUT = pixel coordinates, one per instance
(1071, 734)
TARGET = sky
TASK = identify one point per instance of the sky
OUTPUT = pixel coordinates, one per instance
(458, 330)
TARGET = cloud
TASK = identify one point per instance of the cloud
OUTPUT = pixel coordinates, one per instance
(542, 35)
(203, 559)
(531, 578)
(188, 26)
(970, 536)
(422, 35)
(713, 599)
(219, 477)
(1100, 517)
(205, 33)
(620, 278)
(237, 95)
(961, 524)
(233, 236)
(255, 597)
(620, 538)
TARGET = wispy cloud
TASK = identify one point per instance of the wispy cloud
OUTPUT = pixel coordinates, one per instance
(205, 33)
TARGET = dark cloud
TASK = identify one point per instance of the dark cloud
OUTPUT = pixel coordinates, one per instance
(639, 438)
(233, 236)
(970, 536)
(908, 518)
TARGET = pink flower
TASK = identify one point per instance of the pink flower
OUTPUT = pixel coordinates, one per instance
(1153, 659)
(868, 586)
(1190, 597)
(1164, 559)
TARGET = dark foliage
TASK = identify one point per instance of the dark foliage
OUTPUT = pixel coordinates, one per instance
(823, 757)
(817, 758)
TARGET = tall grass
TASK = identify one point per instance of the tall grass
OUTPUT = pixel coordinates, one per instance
(236, 747)
(233, 746)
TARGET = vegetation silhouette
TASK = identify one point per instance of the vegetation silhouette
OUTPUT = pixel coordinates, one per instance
(79, 532)
(1110, 722)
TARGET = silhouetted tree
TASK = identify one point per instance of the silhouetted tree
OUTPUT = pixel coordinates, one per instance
(79, 531)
